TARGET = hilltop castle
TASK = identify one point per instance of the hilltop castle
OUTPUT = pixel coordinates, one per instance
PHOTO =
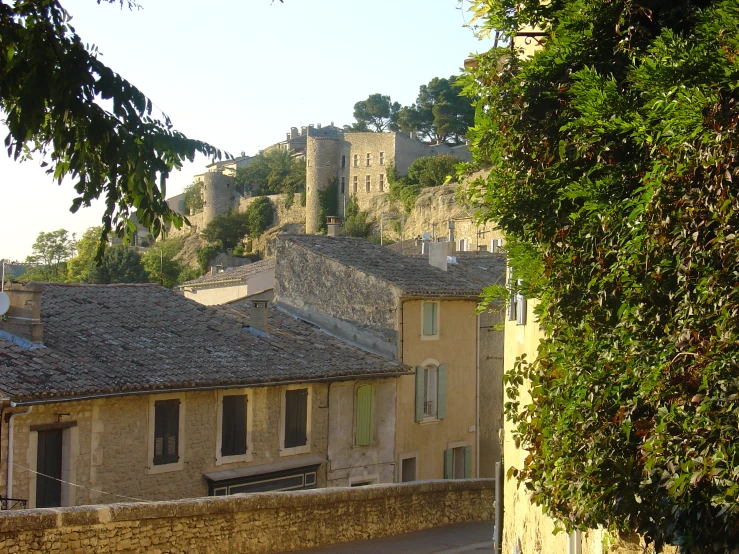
(358, 163)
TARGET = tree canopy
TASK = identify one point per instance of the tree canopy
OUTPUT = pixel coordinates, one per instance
(50, 254)
(613, 155)
(377, 113)
(272, 172)
(85, 121)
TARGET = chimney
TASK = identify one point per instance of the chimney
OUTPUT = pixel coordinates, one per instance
(318, 125)
(333, 224)
(438, 252)
(451, 231)
(287, 137)
(23, 318)
(293, 132)
(303, 131)
(259, 315)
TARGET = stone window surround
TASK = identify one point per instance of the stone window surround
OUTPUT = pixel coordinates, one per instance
(368, 480)
(369, 159)
(179, 465)
(404, 456)
(431, 419)
(438, 320)
(70, 453)
(305, 449)
(368, 183)
(246, 457)
(372, 444)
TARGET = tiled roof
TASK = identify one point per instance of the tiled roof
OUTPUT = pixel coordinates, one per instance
(239, 274)
(413, 276)
(118, 339)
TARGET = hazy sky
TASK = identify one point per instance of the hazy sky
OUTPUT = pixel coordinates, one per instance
(239, 74)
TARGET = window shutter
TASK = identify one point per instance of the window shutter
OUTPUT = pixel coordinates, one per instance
(441, 392)
(166, 431)
(420, 392)
(291, 416)
(301, 432)
(173, 431)
(467, 462)
(449, 464)
(512, 299)
(364, 415)
(233, 425)
(521, 308)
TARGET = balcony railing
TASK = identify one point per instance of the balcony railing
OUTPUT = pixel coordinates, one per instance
(428, 408)
(13, 503)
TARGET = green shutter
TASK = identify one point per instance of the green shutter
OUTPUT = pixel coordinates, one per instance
(449, 464)
(364, 415)
(467, 462)
(440, 393)
(420, 392)
(434, 319)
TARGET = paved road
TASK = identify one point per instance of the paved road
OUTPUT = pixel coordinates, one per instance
(451, 539)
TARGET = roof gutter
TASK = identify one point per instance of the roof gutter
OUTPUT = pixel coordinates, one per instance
(58, 399)
(224, 282)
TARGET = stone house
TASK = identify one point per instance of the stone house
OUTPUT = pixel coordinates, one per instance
(115, 392)
(423, 316)
(255, 281)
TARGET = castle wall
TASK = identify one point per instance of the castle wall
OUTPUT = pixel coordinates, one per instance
(323, 159)
(361, 144)
(219, 195)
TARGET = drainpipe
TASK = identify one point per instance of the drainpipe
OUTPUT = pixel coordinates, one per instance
(9, 482)
(477, 402)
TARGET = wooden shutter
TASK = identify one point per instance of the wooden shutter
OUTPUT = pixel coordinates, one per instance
(449, 464)
(441, 392)
(296, 414)
(467, 462)
(49, 464)
(521, 307)
(166, 431)
(233, 425)
(420, 392)
(364, 415)
(512, 299)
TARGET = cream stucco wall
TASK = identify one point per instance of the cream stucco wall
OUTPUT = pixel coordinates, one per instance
(349, 463)
(457, 348)
(109, 446)
(222, 293)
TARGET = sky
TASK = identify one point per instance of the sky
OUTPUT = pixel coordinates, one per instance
(239, 74)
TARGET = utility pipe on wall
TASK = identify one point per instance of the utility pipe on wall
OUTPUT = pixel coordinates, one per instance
(9, 458)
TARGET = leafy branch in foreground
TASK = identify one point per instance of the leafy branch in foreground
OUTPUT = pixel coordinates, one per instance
(86, 121)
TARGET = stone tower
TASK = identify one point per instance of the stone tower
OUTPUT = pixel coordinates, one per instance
(218, 195)
(322, 156)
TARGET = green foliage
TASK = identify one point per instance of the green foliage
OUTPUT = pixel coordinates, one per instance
(289, 199)
(613, 155)
(272, 172)
(159, 262)
(50, 254)
(428, 171)
(91, 125)
(441, 114)
(194, 198)
(377, 113)
(120, 264)
(356, 222)
(328, 199)
(259, 215)
(86, 247)
(206, 254)
(227, 229)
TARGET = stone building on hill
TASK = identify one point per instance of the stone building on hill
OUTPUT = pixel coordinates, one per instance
(254, 281)
(450, 412)
(115, 392)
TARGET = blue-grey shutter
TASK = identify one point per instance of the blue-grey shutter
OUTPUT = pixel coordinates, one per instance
(420, 392)
(449, 464)
(441, 392)
(467, 462)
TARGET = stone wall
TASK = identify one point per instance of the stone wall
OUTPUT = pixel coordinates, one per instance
(326, 293)
(257, 523)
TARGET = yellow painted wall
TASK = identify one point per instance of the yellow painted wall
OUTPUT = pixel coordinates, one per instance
(456, 347)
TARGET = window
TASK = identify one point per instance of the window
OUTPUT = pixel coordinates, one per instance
(233, 426)
(363, 415)
(382, 158)
(431, 392)
(166, 431)
(430, 319)
(458, 463)
(517, 301)
(308, 162)
(367, 181)
(408, 469)
(343, 183)
(369, 159)
(295, 420)
(356, 160)
(462, 245)
(343, 161)
(381, 182)
(354, 184)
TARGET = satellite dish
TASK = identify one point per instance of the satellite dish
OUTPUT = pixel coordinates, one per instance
(4, 303)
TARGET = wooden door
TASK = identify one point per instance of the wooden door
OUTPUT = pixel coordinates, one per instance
(49, 467)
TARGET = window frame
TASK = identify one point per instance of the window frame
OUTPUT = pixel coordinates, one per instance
(355, 184)
(302, 449)
(381, 182)
(372, 433)
(368, 183)
(179, 465)
(437, 318)
(356, 160)
(369, 159)
(382, 158)
(247, 456)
